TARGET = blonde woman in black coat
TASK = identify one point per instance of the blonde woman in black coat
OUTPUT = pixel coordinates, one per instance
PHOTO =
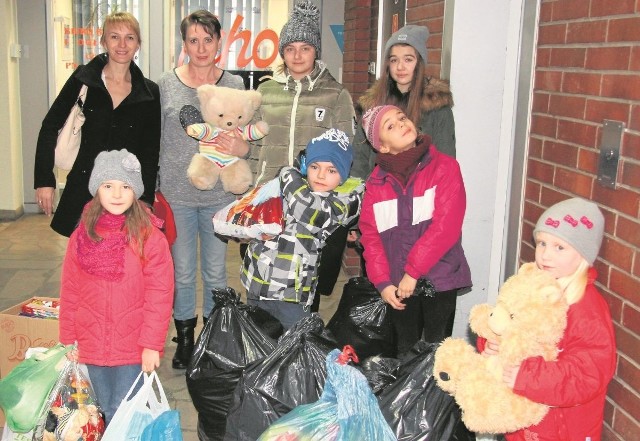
(122, 110)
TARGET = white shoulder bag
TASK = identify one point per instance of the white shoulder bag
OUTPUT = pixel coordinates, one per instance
(70, 134)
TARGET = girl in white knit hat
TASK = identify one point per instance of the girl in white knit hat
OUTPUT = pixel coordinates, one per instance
(567, 237)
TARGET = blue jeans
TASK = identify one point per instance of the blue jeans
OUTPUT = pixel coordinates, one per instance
(193, 224)
(111, 384)
(287, 312)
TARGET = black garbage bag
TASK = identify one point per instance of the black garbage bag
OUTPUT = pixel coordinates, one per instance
(362, 320)
(228, 343)
(293, 374)
(380, 372)
(413, 405)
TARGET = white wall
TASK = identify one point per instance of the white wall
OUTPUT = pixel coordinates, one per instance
(34, 87)
(483, 77)
(11, 193)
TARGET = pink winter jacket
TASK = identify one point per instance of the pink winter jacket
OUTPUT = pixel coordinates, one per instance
(114, 321)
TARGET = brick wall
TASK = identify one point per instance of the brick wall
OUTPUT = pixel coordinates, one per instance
(587, 70)
(361, 37)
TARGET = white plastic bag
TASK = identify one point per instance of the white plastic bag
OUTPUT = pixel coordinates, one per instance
(137, 411)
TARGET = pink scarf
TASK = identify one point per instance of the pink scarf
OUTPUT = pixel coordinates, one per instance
(104, 259)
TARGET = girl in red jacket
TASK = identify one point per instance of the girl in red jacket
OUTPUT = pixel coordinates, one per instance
(116, 293)
(568, 236)
(411, 224)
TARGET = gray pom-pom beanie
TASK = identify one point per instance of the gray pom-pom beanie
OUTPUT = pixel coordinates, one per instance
(578, 222)
(119, 165)
(303, 26)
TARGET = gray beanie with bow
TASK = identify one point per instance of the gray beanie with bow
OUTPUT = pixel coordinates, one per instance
(578, 222)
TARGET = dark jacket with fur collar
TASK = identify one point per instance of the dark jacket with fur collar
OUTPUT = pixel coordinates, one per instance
(436, 121)
(133, 125)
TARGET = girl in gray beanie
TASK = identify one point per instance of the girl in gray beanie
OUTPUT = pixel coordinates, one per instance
(568, 236)
(405, 83)
(116, 293)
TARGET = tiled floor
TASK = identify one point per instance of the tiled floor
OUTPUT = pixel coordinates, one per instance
(30, 260)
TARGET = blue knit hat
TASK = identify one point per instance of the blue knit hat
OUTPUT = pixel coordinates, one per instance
(332, 146)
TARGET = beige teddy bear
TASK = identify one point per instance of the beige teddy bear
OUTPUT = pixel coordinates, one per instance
(528, 321)
(223, 109)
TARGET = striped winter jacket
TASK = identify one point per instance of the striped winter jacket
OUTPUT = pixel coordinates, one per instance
(286, 267)
(416, 229)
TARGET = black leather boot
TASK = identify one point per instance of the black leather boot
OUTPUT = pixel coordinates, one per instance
(185, 340)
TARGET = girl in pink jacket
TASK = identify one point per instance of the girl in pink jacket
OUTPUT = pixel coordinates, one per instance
(116, 293)
(567, 237)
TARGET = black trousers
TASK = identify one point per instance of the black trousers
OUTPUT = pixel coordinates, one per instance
(330, 263)
(427, 318)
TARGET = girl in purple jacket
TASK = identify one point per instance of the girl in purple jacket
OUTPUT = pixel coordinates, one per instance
(411, 224)
(116, 292)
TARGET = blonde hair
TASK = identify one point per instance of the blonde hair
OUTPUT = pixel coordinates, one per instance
(137, 223)
(124, 18)
(575, 284)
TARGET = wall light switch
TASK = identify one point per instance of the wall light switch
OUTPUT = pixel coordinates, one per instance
(15, 51)
(610, 153)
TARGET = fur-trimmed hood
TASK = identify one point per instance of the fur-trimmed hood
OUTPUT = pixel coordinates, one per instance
(437, 94)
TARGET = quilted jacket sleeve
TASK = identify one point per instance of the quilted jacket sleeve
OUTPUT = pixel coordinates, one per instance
(69, 292)
(158, 292)
(374, 254)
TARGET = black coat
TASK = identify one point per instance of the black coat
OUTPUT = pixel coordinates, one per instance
(133, 125)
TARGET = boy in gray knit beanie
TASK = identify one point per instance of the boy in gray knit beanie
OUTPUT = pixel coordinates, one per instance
(303, 26)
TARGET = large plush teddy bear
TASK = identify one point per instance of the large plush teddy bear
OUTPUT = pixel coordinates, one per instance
(223, 109)
(528, 320)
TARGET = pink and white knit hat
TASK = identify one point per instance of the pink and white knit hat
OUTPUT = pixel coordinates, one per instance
(371, 123)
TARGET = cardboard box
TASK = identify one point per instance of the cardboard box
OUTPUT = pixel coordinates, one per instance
(18, 333)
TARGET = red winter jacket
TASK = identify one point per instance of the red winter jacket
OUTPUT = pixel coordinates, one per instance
(576, 384)
(113, 321)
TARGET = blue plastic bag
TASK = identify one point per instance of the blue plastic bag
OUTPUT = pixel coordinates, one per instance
(164, 428)
(346, 411)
